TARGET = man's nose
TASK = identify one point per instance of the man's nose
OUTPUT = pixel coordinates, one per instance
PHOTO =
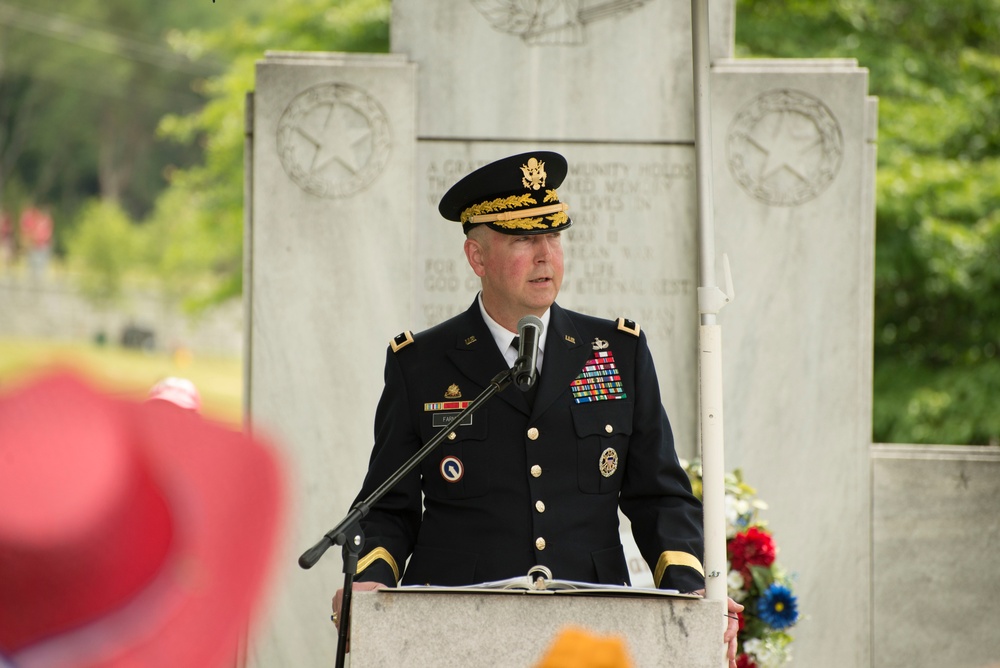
(543, 249)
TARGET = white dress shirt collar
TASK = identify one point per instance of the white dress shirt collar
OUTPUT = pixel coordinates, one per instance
(504, 337)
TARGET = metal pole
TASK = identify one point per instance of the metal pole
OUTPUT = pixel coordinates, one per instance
(703, 148)
(710, 301)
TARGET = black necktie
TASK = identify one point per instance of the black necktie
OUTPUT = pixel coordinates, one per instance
(530, 393)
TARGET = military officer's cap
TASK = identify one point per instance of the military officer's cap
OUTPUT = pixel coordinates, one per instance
(515, 195)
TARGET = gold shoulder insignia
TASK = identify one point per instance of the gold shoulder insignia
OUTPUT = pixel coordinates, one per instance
(401, 341)
(628, 326)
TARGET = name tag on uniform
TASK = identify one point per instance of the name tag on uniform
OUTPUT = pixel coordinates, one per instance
(444, 419)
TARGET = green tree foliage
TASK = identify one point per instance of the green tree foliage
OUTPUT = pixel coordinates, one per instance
(205, 202)
(104, 249)
(935, 67)
(83, 86)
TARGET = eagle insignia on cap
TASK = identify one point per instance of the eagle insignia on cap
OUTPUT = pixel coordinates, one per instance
(534, 174)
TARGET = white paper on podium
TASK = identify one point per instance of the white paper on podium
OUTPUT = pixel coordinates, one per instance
(539, 580)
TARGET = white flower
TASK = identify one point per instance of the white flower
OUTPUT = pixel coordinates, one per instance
(742, 506)
(738, 514)
(732, 515)
(735, 582)
(764, 654)
(752, 647)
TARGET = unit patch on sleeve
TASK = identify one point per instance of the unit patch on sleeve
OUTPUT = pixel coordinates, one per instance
(599, 380)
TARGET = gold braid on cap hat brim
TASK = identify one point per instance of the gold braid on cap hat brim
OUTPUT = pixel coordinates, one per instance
(555, 220)
(498, 212)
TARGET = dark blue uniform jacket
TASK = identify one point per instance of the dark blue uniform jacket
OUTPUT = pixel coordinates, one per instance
(522, 486)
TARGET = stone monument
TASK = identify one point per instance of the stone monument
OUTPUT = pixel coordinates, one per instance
(328, 253)
(352, 153)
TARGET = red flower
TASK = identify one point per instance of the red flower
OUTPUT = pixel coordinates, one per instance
(739, 618)
(751, 548)
(744, 661)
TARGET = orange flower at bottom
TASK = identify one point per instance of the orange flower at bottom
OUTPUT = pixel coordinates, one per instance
(578, 648)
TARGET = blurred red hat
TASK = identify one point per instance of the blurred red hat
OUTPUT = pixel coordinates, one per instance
(125, 530)
(179, 391)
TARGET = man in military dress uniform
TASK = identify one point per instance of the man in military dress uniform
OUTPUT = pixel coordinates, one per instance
(537, 477)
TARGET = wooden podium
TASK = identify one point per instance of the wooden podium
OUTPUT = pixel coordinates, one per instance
(490, 630)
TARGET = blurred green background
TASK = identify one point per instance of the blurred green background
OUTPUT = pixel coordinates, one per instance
(123, 121)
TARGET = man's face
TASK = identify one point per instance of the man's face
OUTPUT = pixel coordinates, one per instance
(520, 274)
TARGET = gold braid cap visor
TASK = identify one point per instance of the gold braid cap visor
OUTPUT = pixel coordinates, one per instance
(515, 215)
(518, 213)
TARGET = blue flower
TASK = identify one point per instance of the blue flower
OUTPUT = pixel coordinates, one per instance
(778, 607)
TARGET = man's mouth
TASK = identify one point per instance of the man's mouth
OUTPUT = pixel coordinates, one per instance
(540, 280)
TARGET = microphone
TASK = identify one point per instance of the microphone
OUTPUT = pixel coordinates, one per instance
(529, 330)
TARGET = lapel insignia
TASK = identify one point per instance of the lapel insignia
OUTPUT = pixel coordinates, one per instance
(469, 341)
(453, 392)
(600, 344)
(570, 339)
(599, 380)
(608, 463)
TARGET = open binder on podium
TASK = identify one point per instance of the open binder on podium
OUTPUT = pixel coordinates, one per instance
(539, 580)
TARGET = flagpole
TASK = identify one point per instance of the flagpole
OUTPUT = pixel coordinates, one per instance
(710, 300)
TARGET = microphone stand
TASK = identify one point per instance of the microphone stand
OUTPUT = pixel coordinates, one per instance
(348, 532)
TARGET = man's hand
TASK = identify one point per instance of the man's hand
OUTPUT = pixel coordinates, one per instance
(338, 598)
(732, 628)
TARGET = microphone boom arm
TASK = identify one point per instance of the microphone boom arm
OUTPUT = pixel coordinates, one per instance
(348, 532)
(362, 508)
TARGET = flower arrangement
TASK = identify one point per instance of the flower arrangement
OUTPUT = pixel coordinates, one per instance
(755, 579)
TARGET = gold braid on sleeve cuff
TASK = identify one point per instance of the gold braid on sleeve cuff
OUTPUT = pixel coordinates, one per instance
(673, 558)
(383, 554)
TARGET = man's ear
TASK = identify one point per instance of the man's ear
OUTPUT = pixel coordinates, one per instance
(474, 254)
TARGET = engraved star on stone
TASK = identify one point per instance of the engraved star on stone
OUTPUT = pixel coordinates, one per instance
(790, 141)
(339, 136)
